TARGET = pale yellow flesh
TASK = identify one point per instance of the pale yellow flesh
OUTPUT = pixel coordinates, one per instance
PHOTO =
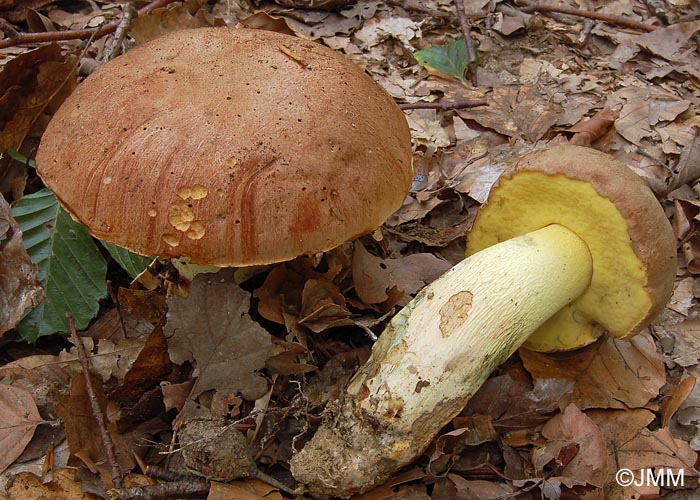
(616, 300)
(436, 353)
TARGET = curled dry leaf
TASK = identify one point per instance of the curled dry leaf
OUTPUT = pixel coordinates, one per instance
(586, 132)
(675, 399)
(19, 286)
(20, 418)
(513, 403)
(323, 306)
(149, 368)
(609, 374)
(213, 327)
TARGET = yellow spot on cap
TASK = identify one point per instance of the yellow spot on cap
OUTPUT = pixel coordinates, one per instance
(181, 215)
(184, 192)
(198, 192)
(171, 240)
(152, 212)
(107, 179)
(232, 162)
(220, 192)
(196, 230)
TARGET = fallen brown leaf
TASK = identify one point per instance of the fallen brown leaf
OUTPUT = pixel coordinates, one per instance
(27, 486)
(608, 374)
(20, 418)
(588, 464)
(178, 15)
(454, 487)
(31, 84)
(686, 348)
(19, 287)
(677, 396)
(588, 131)
(249, 489)
(149, 368)
(213, 327)
(516, 111)
(323, 306)
(513, 403)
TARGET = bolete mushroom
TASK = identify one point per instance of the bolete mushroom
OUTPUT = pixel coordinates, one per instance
(232, 147)
(570, 243)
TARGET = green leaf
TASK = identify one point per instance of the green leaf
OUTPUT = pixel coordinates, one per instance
(71, 267)
(16, 155)
(132, 263)
(450, 59)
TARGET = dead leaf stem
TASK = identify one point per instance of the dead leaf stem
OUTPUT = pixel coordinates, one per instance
(614, 20)
(97, 413)
(458, 104)
(18, 38)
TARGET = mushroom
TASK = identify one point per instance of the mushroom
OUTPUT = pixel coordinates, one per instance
(569, 244)
(232, 147)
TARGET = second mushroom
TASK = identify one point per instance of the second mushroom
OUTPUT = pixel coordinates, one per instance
(570, 244)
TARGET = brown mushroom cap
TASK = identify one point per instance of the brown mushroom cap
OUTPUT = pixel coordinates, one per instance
(610, 208)
(232, 147)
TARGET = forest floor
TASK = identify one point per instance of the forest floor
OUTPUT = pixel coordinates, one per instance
(625, 81)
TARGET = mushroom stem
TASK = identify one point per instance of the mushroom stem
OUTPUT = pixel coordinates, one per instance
(436, 353)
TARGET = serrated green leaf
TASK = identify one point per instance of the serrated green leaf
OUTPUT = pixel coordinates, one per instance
(450, 59)
(132, 263)
(71, 267)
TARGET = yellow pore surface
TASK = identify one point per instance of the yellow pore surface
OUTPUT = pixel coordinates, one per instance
(616, 299)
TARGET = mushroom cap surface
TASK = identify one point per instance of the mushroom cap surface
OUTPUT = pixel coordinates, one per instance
(614, 212)
(230, 146)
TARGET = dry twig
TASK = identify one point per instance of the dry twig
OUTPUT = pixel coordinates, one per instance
(182, 489)
(458, 104)
(467, 34)
(614, 20)
(56, 36)
(120, 34)
(97, 413)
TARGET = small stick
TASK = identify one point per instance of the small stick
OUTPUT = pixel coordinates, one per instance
(115, 300)
(615, 20)
(458, 104)
(467, 34)
(57, 36)
(121, 31)
(180, 489)
(8, 29)
(96, 410)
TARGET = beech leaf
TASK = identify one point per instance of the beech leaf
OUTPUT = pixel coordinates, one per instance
(213, 327)
(609, 374)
